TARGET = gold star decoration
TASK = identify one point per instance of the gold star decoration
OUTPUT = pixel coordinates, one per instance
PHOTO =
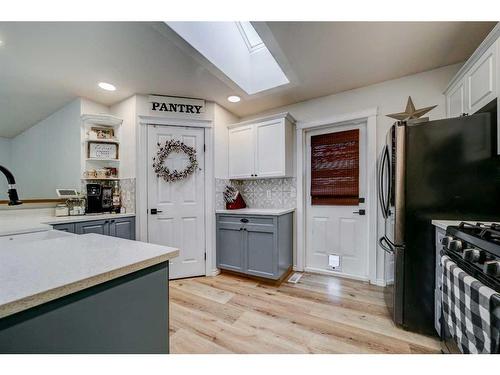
(410, 112)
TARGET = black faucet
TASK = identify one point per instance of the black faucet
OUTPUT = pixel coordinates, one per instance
(13, 197)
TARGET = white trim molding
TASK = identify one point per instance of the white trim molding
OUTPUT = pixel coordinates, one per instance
(368, 116)
(275, 116)
(142, 188)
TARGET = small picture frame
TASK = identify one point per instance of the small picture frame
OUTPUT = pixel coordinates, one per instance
(101, 133)
(102, 150)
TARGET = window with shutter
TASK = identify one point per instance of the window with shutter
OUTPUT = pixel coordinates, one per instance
(335, 168)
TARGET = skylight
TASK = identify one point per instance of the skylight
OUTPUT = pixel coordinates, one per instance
(237, 50)
(250, 36)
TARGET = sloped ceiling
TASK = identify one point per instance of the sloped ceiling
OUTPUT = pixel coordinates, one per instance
(46, 65)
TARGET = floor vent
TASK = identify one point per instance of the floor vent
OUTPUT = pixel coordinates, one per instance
(294, 279)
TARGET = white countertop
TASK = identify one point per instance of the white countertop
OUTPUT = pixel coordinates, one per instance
(257, 211)
(14, 225)
(33, 273)
(445, 223)
(22, 223)
(89, 217)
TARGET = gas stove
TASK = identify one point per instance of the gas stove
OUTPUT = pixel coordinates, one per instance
(476, 248)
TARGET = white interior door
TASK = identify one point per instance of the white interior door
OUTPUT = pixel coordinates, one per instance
(334, 229)
(180, 219)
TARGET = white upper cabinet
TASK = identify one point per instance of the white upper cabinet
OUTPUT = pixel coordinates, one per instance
(241, 151)
(481, 80)
(455, 100)
(262, 148)
(476, 83)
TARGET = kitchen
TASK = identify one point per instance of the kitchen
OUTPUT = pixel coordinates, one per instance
(224, 201)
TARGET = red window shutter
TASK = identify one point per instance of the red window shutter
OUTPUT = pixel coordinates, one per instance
(335, 168)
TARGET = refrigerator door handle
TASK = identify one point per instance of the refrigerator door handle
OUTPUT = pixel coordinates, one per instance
(386, 245)
(381, 198)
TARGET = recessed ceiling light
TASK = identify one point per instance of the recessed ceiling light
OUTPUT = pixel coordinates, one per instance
(233, 98)
(1, 43)
(107, 86)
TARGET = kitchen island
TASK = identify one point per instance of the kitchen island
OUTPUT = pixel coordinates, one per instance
(84, 294)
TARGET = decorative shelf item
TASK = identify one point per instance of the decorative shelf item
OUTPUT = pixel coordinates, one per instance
(102, 150)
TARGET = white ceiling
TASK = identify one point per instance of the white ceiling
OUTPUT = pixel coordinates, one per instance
(45, 65)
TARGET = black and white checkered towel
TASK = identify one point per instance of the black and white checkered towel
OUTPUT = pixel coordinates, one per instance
(467, 310)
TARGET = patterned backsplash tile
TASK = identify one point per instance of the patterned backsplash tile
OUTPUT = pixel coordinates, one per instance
(262, 193)
(127, 189)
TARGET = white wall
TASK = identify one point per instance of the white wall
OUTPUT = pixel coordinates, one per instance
(90, 107)
(5, 160)
(127, 110)
(222, 118)
(425, 88)
(48, 154)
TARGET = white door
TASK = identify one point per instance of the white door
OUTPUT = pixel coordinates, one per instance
(336, 230)
(241, 152)
(179, 221)
(270, 149)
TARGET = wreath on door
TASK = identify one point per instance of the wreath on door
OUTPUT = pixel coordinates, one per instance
(169, 147)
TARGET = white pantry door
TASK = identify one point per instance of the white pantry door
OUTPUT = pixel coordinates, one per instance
(337, 229)
(180, 218)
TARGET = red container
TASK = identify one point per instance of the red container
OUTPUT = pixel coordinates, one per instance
(237, 204)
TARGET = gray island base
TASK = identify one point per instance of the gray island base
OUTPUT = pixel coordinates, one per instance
(128, 314)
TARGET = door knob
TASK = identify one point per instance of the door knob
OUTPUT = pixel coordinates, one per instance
(155, 211)
(360, 212)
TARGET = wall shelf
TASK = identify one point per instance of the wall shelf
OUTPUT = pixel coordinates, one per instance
(101, 179)
(114, 140)
(97, 159)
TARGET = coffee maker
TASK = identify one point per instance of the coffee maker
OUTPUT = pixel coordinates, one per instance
(99, 198)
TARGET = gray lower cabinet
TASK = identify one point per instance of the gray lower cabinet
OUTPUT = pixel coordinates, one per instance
(123, 227)
(255, 245)
(97, 226)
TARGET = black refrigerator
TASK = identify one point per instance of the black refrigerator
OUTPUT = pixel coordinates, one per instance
(445, 169)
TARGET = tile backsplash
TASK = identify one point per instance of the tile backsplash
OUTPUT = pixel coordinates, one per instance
(262, 193)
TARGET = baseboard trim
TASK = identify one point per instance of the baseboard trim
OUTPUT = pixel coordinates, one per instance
(378, 282)
(214, 272)
(333, 273)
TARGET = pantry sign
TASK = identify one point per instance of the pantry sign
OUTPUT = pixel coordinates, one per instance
(174, 105)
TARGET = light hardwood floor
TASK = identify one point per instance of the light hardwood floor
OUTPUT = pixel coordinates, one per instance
(320, 314)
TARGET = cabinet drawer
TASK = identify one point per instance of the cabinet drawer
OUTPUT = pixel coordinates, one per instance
(246, 219)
